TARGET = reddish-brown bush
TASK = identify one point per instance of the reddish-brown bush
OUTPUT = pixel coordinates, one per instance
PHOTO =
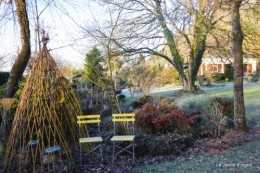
(162, 118)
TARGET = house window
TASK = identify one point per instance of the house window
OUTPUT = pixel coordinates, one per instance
(248, 68)
(213, 68)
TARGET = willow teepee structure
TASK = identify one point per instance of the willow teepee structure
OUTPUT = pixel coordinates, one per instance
(44, 126)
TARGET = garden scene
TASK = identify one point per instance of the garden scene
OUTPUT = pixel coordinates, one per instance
(159, 86)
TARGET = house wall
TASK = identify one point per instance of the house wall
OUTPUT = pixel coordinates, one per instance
(213, 64)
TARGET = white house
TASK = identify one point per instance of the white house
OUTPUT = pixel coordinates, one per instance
(217, 62)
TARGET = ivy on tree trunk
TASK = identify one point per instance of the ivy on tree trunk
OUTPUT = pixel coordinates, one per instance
(201, 29)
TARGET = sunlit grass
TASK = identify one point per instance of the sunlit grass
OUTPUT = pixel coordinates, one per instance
(221, 92)
(251, 98)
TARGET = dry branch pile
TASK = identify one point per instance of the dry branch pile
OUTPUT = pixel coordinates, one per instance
(45, 117)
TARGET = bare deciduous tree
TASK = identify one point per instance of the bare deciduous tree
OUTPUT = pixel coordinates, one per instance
(174, 30)
(4, 61)
(23, 9)
(20, 63)
(142, 77)
(237, 50)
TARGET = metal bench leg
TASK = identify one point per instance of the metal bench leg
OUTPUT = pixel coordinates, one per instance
(101, 152)
(80, 152)
(133, 151)
(113, 159)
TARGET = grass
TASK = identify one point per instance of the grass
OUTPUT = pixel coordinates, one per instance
(238, 159)
(251, 98)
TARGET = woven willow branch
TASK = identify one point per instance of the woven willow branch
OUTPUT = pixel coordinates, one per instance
(46, 112)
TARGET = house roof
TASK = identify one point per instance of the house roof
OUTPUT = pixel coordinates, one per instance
(220, 57)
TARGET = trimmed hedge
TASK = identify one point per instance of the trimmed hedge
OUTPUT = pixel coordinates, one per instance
(4, 77)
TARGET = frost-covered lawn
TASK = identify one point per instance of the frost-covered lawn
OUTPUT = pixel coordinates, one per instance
(243, 158)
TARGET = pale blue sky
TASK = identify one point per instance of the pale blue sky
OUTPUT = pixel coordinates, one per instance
(66, 37)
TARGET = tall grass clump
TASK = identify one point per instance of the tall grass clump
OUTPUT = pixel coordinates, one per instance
(209, 112)
(192, 103)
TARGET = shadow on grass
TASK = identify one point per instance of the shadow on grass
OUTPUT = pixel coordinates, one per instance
(238, 159)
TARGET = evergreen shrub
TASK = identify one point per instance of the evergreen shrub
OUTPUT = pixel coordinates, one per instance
(121, 97)
(4, 77)
(229, 72)
(217, 77)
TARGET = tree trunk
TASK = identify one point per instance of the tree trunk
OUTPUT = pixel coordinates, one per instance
(188, 81)
(19, 65)
(201, 29)
(237, 40)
